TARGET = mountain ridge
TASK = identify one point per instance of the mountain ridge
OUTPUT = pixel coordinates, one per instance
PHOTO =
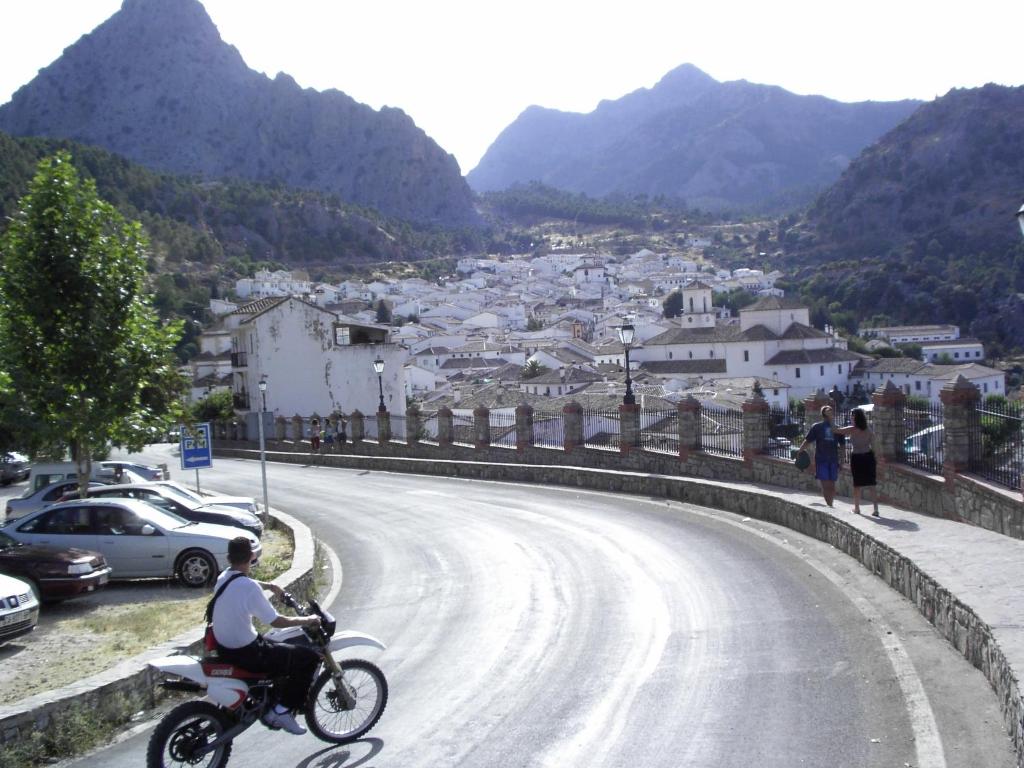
(733, 145)
(156, 83)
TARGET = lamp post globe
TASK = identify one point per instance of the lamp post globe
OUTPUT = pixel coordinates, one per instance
(626, 335)
(1020, 219)
(378, 367)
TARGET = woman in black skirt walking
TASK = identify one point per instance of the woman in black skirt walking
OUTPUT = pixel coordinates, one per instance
(862, 458)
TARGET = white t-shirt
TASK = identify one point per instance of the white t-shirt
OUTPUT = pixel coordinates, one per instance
(235, 608)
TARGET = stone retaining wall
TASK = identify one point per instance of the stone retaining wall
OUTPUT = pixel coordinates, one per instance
(133, 679)
(957, 622)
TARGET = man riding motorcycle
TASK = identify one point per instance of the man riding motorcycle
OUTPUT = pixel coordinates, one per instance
(237, 600)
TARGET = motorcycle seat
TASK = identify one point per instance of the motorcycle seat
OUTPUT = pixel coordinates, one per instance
(222, 669)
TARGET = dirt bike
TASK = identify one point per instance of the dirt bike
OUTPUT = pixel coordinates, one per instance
(346, 700)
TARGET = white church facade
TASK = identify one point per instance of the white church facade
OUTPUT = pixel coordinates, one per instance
(773, 340)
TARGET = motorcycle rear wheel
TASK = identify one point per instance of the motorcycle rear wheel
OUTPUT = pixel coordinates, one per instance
(326, 715)
(187, 726)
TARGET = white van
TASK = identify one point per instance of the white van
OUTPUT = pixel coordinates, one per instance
(44, 474)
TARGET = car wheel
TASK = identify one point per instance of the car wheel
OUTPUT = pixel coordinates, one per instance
(196, 568)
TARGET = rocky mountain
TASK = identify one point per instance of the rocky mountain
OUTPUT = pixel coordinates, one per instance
(156, 83)
(920, 228)
(733, 145)
(952, 172)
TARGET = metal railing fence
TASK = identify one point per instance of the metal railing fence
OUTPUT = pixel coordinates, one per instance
(721, 430)
(998, 443)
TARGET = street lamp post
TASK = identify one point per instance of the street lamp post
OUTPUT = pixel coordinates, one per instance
(626, 334)
(1020, 219)
(263, 448)
(378, 367)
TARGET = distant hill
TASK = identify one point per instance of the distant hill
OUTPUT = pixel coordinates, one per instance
(921, 226)
(734, 145)
(156, 83)
(226, 226)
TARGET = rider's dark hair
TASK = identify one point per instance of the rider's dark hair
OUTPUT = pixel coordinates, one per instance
(860, 420)
(239, 550)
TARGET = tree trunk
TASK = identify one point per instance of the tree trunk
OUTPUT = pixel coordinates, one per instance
(83, 459)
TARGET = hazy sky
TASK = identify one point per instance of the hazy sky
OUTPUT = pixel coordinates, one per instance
(464, 69)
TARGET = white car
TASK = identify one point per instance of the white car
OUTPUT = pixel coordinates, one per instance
(247, 503)
(19, 608)
(137, 540)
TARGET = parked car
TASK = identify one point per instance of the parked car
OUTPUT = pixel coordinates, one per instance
(33, 499)
(170, 500)
(137, 539)
(54, 574)
(19, 608)
(14, 468)
(245, 503)
(147, 472)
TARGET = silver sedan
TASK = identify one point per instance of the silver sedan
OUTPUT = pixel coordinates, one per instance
(137, 540)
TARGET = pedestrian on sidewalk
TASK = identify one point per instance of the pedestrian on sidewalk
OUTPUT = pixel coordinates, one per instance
(314, 435)
(825, 464)
(862, 458)
(340, 432)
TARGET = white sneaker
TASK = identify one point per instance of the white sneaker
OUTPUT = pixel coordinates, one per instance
(283, 720)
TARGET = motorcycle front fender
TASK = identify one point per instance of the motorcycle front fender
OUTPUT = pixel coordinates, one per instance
(351, 638)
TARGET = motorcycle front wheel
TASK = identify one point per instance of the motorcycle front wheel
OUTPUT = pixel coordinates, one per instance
(184, 729)
(326, 713)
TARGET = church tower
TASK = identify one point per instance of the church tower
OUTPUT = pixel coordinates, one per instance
(698, 311)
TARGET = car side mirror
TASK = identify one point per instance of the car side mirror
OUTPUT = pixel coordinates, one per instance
(147, 530)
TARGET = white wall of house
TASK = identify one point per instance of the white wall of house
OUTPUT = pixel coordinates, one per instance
(293, 346)
(969, 352)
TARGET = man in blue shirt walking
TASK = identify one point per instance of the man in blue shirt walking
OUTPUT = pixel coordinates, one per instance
(826, 453)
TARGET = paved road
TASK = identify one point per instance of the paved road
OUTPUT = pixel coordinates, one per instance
(534, 626)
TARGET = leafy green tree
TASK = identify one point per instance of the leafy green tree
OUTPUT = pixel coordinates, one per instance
(673, 305)
(534, 324)
(911, 349)
(383, 313)
(533, 369)
(86, 360)
(216, 406)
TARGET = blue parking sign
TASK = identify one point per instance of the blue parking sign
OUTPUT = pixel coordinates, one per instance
(196, 447)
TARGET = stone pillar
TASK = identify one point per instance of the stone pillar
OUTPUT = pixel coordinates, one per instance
(297, 428)
(280, 428)
(572, 420)
(960, 421)
(689, 426)
(755, 425)
(888, 421)
(383, 427)
(445, 427)
(813, 405)
(481, 427)
(629, 428)
(357, 426)
(413, 424)
(524, 427)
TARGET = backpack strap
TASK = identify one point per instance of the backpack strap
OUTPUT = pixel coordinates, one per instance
(209, 606)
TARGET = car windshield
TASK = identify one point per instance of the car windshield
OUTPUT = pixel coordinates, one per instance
(183, 491)
(6, 542)
(174, 495)
(163, 517)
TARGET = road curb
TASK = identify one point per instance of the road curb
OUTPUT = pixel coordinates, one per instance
(967, 631)
(134, 677)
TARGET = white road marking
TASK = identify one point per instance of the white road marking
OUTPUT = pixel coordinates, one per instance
(927, 741)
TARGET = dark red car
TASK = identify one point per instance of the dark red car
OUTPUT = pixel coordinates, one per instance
(56, 574)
